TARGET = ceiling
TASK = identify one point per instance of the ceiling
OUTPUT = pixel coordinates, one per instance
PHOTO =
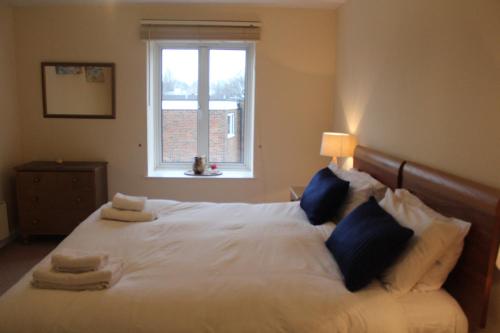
(281, 3)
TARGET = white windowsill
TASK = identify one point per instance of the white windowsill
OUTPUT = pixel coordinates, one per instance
(179, 174)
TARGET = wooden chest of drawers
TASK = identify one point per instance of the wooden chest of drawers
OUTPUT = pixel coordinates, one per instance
(54, 198)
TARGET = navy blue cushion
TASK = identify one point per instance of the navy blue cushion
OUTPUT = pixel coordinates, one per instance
(323, 196)
(366, 242)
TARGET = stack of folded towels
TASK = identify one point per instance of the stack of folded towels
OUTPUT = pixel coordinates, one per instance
(76, 270)
(127, 209)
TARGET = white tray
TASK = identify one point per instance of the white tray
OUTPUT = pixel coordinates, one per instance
(204, 174)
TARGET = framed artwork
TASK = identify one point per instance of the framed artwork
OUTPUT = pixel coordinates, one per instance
(94, 74)
(78, 90)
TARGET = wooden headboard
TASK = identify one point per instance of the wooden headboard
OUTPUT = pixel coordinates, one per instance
(471, 280)
(385, 168)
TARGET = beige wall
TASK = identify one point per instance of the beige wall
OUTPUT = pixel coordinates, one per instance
(294, 101)
(421, 80)
(9, 121)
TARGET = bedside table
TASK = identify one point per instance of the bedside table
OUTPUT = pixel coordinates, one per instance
(296, 192)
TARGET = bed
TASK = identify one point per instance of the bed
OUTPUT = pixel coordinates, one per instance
(205, 267)
(471, 280)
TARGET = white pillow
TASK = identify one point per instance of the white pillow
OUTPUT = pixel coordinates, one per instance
(433, 237)
(325, 229)
(353, 200)
(420, 255)
(361, 178)
(438, 273)
(361, 187)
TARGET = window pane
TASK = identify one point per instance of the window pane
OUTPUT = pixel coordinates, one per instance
(226, 105)
(179, 105)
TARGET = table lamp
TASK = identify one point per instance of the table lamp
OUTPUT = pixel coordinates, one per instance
(337, 145)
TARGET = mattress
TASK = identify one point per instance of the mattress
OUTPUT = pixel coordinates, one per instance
(204, 267)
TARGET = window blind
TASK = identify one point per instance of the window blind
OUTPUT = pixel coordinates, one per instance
(199, 30)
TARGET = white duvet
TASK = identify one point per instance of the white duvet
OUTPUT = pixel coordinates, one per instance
(205, 267)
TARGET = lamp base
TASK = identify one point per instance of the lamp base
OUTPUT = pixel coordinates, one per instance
(345, 163)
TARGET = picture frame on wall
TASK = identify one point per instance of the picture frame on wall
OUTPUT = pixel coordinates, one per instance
(78, 90)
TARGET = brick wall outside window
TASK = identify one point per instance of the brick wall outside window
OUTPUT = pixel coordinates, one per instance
(180, 136)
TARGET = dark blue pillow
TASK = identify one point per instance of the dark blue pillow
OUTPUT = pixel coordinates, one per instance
(366, 242)
(323, 196)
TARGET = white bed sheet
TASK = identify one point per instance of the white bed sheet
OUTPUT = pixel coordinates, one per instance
(433, 312)
(204, 267)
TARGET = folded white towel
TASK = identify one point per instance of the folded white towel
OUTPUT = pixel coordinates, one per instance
(75, 261)
(127, 202)
(45, 277)
(109, 213)
(48, 285)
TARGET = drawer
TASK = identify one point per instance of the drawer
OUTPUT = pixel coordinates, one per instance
(36, 200)
(77, 200)
(70, 220)
(36, 182)
(39, 222)
(51, 222)
(76, 181)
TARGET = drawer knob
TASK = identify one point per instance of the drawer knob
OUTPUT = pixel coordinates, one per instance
(36, 180)
(78, 199)
(74, 179)
(35, 221)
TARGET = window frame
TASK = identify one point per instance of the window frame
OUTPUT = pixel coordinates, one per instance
(155, 142)
(231, 124)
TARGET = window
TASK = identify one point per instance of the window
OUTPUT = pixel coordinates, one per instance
(231, 125)
(201, 103)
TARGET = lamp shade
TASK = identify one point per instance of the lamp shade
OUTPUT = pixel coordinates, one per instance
(337, 144)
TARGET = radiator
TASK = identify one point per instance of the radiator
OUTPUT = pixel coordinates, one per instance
(4, 222)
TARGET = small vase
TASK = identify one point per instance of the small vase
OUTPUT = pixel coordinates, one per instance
(199, 165)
